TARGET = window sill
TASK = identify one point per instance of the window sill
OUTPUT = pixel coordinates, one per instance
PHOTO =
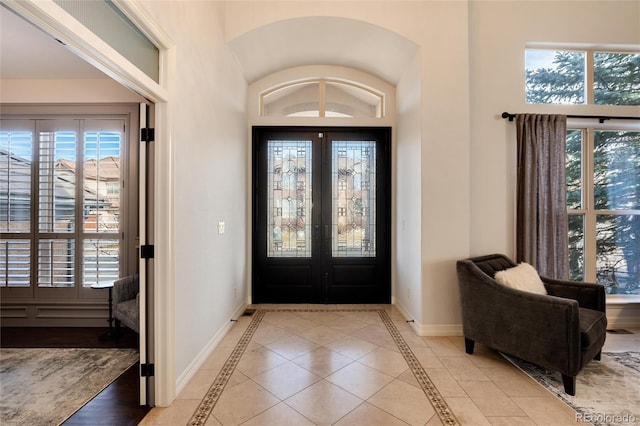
(618, 299)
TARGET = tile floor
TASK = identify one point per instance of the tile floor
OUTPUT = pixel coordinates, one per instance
(340, 367)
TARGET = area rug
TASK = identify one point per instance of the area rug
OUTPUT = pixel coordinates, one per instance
(46, 386)
(204, 409)
(607, 391)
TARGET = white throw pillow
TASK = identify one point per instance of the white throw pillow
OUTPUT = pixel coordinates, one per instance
(522, 277)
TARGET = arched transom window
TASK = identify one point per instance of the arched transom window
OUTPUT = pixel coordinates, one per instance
(322, 98)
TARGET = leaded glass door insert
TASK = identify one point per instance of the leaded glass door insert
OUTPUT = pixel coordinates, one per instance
(321, 215)
(289, 198)
(353, 209)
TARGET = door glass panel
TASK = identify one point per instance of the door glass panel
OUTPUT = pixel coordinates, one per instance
(353, 181)
(289, 199)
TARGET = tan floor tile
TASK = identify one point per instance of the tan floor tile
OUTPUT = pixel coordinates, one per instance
(279, 415)
(369, 415)
(277, 318)
(351, 347)
(488, 359)
(240, 403)
(323, 402)
(514, 383)
(218, 357)
(323, 361)
(199, 384)
(445, 383)
(405, 402)
(322, 317)
(179, 412)
(385, 361)
(409, 378)
(427, 358)
(212, 421)
(269, 333)
(463, 369)
(258, 359)
(236, 378)
(346, 326)
(442, 346)
(366, 316)
(292, 347)
(322, 335)
(547, 410)
(360, 380)
(412, 339)
(298, 325)
(480, 389)
(467, 412)
(286, 380)
(511, 421)
(491, 400)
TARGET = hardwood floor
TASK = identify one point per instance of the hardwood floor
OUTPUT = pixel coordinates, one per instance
(118, 404)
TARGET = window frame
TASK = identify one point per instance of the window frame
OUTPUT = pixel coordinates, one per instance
(127, 234)
(587, 203)
(589, 90)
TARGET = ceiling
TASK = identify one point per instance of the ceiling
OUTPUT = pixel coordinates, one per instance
(323, 40)
(27, 52)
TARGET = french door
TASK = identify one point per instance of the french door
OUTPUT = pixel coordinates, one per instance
(321, 215)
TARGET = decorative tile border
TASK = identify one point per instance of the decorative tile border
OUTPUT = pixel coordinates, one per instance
(212, 396)
(437, 401)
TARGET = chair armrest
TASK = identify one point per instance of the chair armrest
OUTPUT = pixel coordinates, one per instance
(542, 329)
(126, 288)
(588, 295)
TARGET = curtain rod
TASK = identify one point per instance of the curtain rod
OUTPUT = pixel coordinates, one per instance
(601, 118)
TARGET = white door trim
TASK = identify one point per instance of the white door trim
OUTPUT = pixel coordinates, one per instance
(52, 19)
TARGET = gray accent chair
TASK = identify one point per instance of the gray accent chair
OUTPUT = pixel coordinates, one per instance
(560, 331)
(126, 303)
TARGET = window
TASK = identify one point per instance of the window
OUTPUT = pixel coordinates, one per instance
(61, 201)
(603, 160)
(582, 77)
(322, 98)
(603, 201)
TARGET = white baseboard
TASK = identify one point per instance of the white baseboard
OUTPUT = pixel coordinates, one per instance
(430, 329)
(194, 366)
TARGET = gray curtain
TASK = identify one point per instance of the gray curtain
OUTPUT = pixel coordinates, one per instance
(541, 224)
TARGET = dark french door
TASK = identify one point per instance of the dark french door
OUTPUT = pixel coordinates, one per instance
(321, 215)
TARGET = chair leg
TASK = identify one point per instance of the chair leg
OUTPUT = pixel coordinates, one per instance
(468, 345)
(117, 329)
(598, 356)
(569, 384)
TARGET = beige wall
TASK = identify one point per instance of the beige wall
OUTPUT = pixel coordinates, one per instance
(65, 91)
(209, 160)
(470, 68)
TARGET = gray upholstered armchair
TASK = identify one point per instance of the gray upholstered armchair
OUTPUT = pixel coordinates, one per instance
(126, 303)
(562, 330)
